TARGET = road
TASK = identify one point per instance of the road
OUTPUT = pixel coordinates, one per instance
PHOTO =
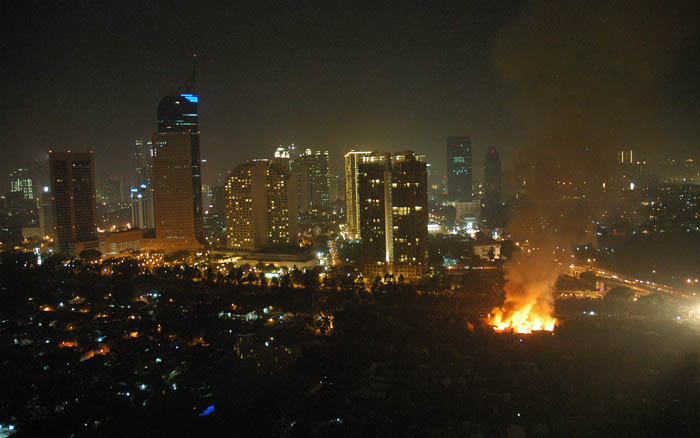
(645, 286)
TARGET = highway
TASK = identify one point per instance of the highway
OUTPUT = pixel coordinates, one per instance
(644, 286)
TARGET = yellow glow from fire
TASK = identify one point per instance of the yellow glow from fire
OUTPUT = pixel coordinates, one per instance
(523, 320)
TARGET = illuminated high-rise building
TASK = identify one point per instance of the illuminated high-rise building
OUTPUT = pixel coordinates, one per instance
(352, 199)
(459, 168)
(74, 202)
(143, 155)
(393, 206)
(21, 181)
(142, 210)
(46, 216)
(177, 116)
(261, 207)
(314, 179)
(172, 192)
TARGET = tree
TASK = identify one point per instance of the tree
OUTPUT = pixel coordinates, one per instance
(286, 281)
(90, 255)
(376, 284)
(618, 299)
(620, 294)
(297, 276)
(310, 279)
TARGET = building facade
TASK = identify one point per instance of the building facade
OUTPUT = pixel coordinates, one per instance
(352, 199)
(393, 210)
(142, 209)
(21, 181)
(143, 156)
(459, 169)
(74, 201)
(261, 207)
(314, 179)
(46, 215)
(172, 192)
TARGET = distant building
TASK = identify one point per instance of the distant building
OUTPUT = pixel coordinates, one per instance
(352, 198)
(487, 251)
(46, 214)
(393, 206)
(143, 156)
(21, 181)
(142, 209)
(334, 191)
(459, 168)
(469, 211)
(314, 179)
(491, 202)
(74, 203)
(110, 190)
(261, 207)
(121, 242)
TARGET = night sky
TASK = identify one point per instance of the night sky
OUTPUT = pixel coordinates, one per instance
(390, 76)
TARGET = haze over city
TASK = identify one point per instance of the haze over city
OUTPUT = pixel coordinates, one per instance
(395, 76)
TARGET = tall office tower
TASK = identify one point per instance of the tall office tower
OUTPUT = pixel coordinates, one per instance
(261, 207)
(177, 116)
(74, 203)
(21, 181)
(142, 210)
(143, 154)
(491, 202)
(459, 168)
(393, 214)
(110, 189)
(46, 216)
(314, 179)
(172, 192)
(352, 199)
(333, 188)
(218, 201)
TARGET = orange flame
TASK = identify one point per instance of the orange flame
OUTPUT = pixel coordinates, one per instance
(522, 320)
(529, 302)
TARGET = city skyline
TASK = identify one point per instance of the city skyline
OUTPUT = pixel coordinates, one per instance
(478, 218)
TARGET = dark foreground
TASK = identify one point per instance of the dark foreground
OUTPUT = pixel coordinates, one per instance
(151, 356)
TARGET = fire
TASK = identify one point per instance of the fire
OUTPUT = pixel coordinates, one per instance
(522, 320)
(529, 302)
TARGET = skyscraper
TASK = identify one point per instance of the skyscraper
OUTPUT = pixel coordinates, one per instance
(142, 211)
(172, 192)
(459, 168)
(74, 203)
(261, 207)
(177, 115)
(46, 216)
(393, 200)
(491, 203)
(143, 154)
(352, 199)
(21, 181)
(314, 178)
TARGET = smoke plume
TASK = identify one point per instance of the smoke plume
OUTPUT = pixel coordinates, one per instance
(585, 78)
